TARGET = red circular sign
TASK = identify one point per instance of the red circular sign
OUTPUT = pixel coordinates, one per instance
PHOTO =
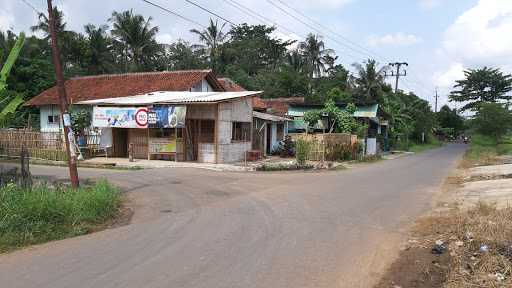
(141, 117)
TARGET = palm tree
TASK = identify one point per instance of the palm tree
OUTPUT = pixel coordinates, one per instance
(100, 58)
(370, 81)
(44, 24)
(295, 61)
(212, 37)
(135, 36)
(314, 53)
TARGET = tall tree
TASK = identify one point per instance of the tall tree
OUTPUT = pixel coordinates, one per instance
(315, 55)
(181, 56)
(369, 82)
(44, 26)
(482, 86)
(135, 38)
(100, 58)
(212, 37)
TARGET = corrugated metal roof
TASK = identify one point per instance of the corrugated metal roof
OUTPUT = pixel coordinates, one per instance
(269, 117)
(171, 97)
(369, 111)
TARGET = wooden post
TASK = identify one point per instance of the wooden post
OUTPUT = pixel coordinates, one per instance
(176, 139)
(216, 134)
(130, 152)
(63, 100)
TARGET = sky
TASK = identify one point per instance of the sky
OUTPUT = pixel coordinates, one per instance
(438, 38)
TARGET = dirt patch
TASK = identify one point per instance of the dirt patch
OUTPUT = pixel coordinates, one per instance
(477, 251)
(417, 267)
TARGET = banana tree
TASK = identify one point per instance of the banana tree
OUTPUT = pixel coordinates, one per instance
(13, 102)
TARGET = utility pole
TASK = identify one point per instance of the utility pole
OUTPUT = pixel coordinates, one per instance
(63, 100)
(437, 96)
(398, 72)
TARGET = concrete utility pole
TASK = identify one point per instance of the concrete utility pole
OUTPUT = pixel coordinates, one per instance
(63, 99)
(437, 96)
(398, 73)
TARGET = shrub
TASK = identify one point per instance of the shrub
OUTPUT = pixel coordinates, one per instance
(43, 213)
(303, 149)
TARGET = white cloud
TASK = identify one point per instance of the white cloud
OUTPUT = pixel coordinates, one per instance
(429, 4)
(447, 78)
(397, 39)
(6, 17)
(479, 37)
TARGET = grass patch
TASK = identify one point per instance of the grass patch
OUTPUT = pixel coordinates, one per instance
(417, 148)
(42, 214)
(267, 167)
(483, 150)
(370, 158)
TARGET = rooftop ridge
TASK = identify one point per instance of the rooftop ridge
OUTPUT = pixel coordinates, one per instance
(140, 74)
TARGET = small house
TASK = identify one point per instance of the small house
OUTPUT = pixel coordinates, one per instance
(180, 115)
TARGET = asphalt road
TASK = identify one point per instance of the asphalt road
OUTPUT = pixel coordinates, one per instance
(198, 228)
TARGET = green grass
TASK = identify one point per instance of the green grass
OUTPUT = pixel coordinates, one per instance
(417, 148)
(42, 214)
(483, 150)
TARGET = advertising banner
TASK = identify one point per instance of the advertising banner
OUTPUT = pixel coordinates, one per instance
(167, 116)
(120, 117)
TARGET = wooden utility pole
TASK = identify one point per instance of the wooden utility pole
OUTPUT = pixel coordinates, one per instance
(63, 100)
(398, 72)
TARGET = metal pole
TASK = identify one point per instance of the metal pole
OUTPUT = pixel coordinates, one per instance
(63, 101)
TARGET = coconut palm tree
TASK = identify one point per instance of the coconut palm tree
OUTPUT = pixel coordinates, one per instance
(212, 37)
(315, 55)
(370, 81)
(100, 49)
(135, 37)
(44, 24)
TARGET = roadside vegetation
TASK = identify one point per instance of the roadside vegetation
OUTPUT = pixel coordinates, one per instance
(43, 213)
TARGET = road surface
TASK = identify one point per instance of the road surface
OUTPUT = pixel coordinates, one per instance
(198, 228)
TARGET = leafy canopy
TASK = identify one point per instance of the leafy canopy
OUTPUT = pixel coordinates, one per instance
(492, 119)
(480, 86)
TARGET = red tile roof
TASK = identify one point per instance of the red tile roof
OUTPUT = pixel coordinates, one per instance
(230, 86)
(277, 106)
(122, 85)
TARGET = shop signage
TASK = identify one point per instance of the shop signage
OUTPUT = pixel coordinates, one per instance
(120, 117)
(167, 117)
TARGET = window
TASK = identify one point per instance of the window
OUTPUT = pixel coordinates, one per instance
(53, 119)
(241, 131)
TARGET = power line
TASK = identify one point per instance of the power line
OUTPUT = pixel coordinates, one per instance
(173, 13)
(331, 30)
(368, 51)
(208, 11)
(246, 10)
(32, 7)
(315, 29)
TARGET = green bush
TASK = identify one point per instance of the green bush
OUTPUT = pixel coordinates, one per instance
(41, 214)
(303, 149)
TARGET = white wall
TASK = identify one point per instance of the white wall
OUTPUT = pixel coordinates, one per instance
(202, 86)
(239, 110)
(44, 112)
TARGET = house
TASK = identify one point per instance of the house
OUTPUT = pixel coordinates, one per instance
(371, 114)
(268, 131)
(181, 115)
(119, 85)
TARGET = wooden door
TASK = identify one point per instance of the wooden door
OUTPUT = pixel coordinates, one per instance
(139, 139)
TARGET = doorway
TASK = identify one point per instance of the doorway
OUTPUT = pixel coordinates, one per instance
(120, 142)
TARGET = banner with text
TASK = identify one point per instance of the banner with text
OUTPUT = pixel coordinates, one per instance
(120, 117)
(167, 116)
